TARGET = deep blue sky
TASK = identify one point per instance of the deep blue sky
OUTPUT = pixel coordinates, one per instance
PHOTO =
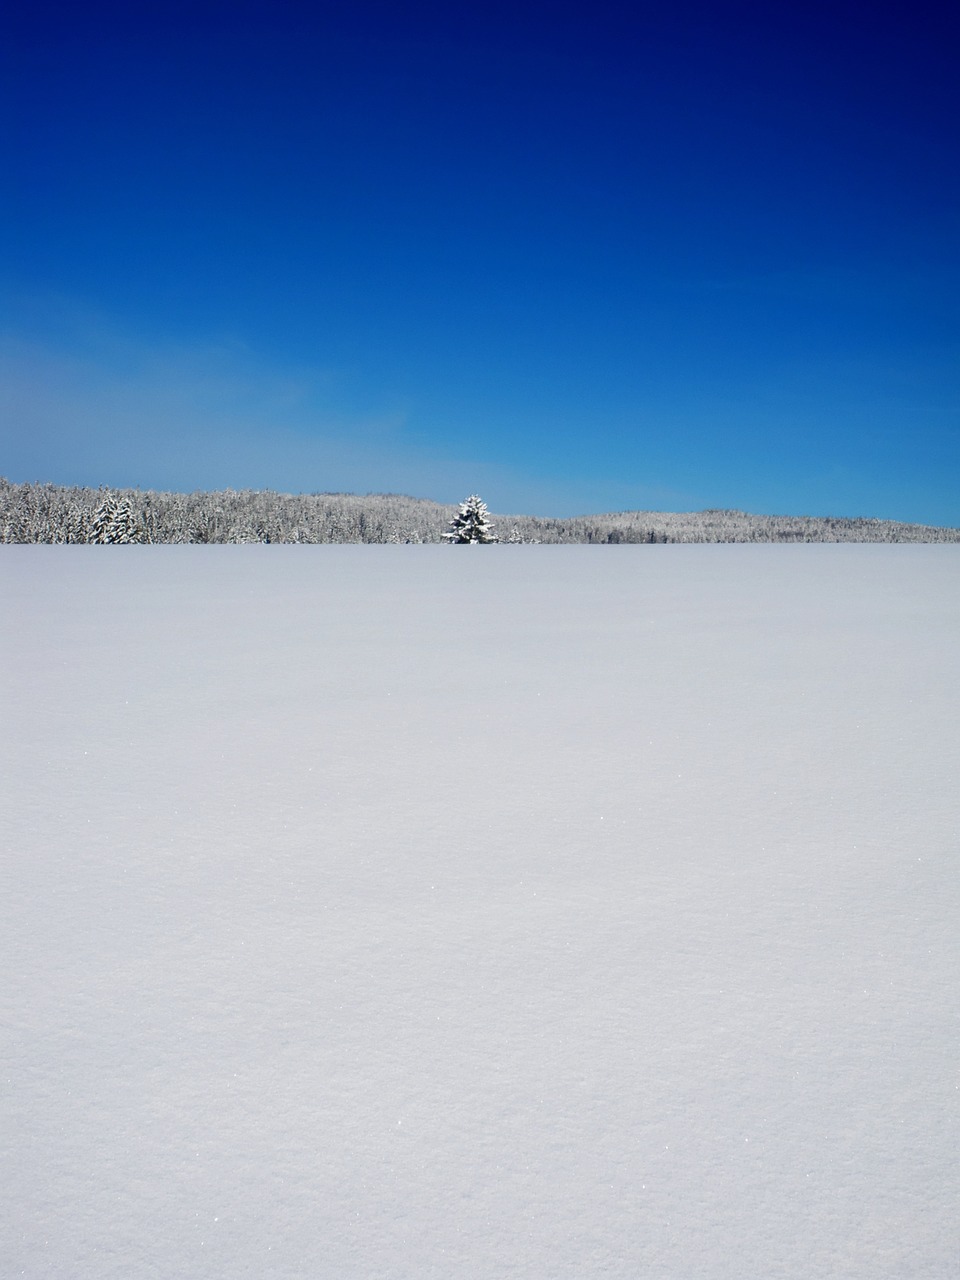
(573, 258)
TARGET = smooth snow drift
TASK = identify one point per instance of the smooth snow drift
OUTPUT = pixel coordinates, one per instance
(407, 912)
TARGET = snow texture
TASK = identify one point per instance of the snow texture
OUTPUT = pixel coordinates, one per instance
(381, 912)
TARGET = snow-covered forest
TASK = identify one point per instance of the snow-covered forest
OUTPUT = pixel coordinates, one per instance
(393, 912)
(48, 513)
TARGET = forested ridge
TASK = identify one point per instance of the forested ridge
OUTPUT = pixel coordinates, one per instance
(48, 513)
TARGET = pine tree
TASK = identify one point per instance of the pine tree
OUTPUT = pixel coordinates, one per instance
(76, 525)
(103, 519)
(125, 527)
(115, 522)
(471, 524)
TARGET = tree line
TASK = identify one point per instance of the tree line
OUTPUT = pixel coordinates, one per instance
(47, 513)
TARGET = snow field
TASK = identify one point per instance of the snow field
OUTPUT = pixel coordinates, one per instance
(400, 912)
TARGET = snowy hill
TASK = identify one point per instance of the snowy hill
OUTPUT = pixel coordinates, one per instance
(49, 513)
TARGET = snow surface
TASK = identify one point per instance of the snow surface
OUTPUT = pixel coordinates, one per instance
(529, 912)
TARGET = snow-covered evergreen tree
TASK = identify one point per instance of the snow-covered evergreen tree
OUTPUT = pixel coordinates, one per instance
(103, 519)
(76, 525)
(115, 522)
(472, 523)
(125, 525)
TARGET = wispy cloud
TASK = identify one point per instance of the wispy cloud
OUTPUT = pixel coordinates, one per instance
(85, 401)
(81, 389)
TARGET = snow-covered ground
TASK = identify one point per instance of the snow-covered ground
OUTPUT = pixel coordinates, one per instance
(531, 912)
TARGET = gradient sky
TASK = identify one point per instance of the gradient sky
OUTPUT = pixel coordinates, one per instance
(576, 259)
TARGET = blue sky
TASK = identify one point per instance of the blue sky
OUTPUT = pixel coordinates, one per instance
(575, 259)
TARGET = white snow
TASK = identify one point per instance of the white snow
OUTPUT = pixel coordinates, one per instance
(531, 912)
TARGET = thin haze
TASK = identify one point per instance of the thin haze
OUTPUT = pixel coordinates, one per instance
(574, 258)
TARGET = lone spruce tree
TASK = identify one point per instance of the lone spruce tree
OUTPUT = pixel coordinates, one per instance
(472, 523)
